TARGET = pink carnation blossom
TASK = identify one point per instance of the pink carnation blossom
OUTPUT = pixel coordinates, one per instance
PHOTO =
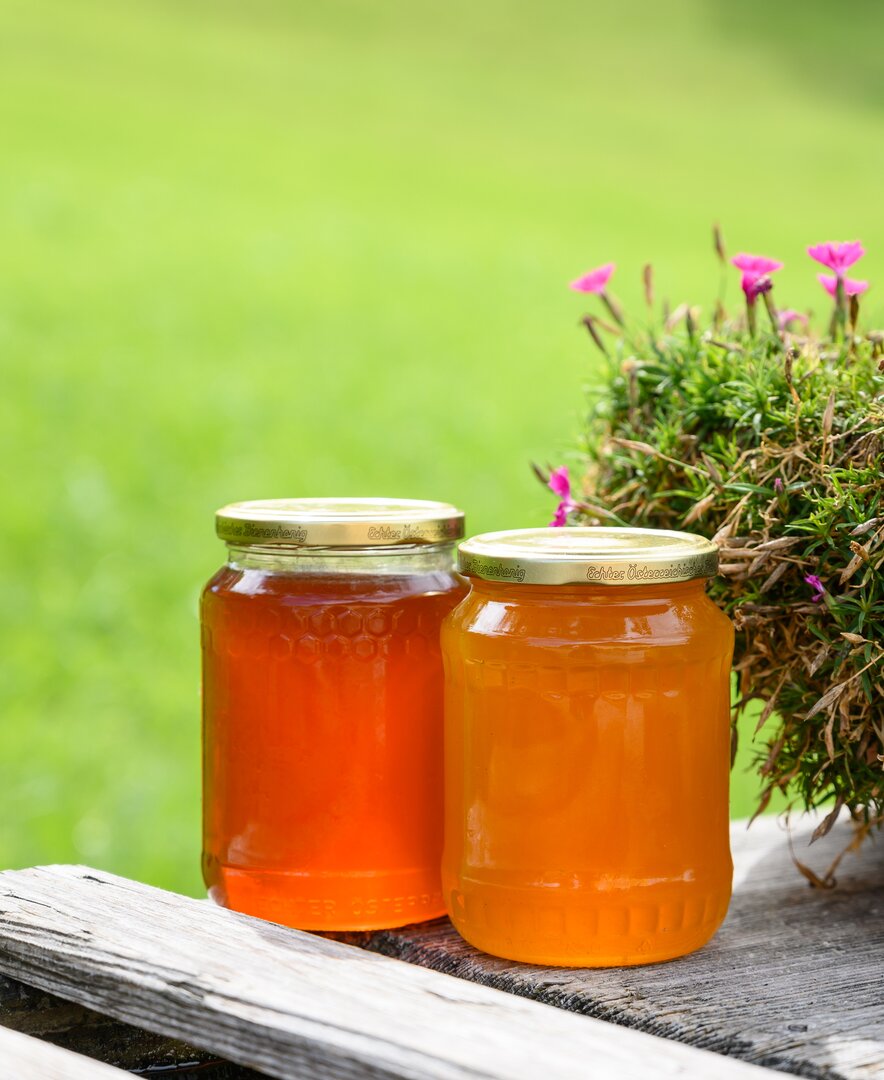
(778, 485)
(819, 590)
(755, 278)
(837, 257)
(594, 281)
(790, 315)
(560, 518)
(560, 484)
(757, 265)
(852, 287)
(753, 285)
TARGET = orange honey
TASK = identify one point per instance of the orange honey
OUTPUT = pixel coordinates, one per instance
(587, 750)
(322, 727)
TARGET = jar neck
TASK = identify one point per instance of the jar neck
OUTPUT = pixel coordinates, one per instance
(590, 593)
(392, 560)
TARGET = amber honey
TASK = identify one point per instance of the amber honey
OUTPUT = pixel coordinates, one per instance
(322, 725)
(587, 750)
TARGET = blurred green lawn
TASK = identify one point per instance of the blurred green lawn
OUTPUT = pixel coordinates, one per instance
(286, 248)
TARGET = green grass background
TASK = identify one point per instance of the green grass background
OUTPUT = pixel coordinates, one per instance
(277, 248)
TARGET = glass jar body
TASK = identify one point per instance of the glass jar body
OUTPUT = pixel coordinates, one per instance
(587, 766)
(322, 735)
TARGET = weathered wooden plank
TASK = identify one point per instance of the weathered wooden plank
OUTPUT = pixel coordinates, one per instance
(84, 1031)
(794, 980)
(23, 1057)
(294, 1005)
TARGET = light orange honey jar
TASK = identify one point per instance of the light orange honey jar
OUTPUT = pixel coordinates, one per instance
(587, 747)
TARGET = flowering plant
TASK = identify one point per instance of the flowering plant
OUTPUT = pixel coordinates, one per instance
(768, 437)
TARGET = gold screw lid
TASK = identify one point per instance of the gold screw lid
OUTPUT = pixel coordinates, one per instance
(338, 523)
(588, 556)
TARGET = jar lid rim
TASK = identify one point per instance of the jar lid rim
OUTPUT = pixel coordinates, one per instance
(588, 555)
(339, 522)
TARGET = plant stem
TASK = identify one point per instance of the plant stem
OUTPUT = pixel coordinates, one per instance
(841, 306)
(750, 316)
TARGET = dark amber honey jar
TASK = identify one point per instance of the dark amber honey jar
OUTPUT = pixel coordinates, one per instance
(322, 710)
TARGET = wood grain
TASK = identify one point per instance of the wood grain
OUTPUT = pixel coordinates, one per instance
(293, 1005)
(794, 980)
(25, 1058)
(73, 1027)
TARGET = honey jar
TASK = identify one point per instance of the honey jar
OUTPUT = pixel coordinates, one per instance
(587, 747)
(322, 710)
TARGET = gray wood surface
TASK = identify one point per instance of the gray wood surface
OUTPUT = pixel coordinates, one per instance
(294, 1005)
(23, 1057)
(73, 1027)
(794, 980)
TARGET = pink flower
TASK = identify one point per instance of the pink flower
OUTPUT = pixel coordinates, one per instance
(778, 485)
(594, 281)
(560, 518)
(818, 588)
(754, 285)
(757, 265)
(560, 484)
(852, 287)
(790, 315)
(755, 279)
(837, 257)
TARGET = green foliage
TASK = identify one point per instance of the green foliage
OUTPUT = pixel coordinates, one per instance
(774, 446)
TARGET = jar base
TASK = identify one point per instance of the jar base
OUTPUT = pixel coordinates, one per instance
(327, 901)
(516, 925)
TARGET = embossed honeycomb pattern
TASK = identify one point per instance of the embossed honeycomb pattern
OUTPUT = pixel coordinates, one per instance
(308, 635)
